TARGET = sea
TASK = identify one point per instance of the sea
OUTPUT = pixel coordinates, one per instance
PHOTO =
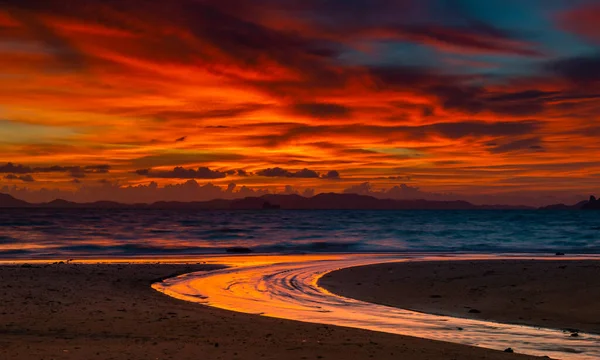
(104, 233)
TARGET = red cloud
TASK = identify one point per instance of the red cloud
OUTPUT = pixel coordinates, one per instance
(584, 21)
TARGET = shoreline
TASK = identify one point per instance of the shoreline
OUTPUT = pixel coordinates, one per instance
(547, 293)
(100, 311)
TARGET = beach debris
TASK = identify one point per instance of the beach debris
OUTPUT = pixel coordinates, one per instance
(509, 350)
(459, 329)
(474, 311)
(574, 334)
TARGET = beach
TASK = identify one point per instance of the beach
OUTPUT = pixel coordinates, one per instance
(109, 311)
(546, 293)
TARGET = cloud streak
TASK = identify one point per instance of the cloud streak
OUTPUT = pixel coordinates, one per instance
(275, 93)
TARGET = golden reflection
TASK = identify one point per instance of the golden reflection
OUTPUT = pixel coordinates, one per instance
(287, 287)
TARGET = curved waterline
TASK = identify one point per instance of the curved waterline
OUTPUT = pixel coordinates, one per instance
(287, 287)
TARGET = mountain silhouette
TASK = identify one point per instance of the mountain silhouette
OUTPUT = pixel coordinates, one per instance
(577, 206)
(592, 204)
(8, 201)
(325, 201)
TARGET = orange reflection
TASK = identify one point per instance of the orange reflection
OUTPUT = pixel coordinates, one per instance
(287, 287)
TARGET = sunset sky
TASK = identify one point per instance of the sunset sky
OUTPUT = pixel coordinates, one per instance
(131, 100)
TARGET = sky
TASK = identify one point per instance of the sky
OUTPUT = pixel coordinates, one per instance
(138, 100)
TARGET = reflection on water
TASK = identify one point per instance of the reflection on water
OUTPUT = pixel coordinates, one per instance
(286, 287)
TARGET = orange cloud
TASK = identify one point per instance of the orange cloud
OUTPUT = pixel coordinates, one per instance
(187, 84)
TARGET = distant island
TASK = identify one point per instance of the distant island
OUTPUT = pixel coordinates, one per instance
(591, 204)
(325, 201)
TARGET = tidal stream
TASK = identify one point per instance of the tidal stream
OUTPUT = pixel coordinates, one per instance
(287, 287)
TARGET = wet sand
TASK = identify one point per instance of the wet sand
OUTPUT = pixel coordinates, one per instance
(553, 294)
(74, 311)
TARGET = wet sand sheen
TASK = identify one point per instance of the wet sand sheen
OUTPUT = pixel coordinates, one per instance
(109, 311)
(552, 294)
(287, 288)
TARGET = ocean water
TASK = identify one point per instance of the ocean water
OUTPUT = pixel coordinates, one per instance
(54, 233)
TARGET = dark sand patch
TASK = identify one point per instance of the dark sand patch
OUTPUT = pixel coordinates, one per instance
(74, 311)
(548, 293)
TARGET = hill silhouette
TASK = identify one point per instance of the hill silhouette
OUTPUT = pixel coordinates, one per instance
(592, 204)
(9, 201)
(577, 206)
(325, 201)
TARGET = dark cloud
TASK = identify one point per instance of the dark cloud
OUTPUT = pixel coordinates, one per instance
(451, 130)
(245, 36)
(97, 169)
(196, 114)
(15, 169)
(68, 55)
(182, 173)
(522, 96)
(24, 178)
(274, 172)
(306, 173)
(74, 171)
(168, 158)
(394, 20)
(238, 172)
(238, 36)
(479, 38)
(181, 139)
(332, 175)
(456, 130)
(322, 110)
(581, 71)
(408, 76)
(474, 100)
(279, 172)
(528, 144)
(77, 173)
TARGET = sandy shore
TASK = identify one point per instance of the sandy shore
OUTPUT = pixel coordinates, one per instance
(74, 311)
(553, 294)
